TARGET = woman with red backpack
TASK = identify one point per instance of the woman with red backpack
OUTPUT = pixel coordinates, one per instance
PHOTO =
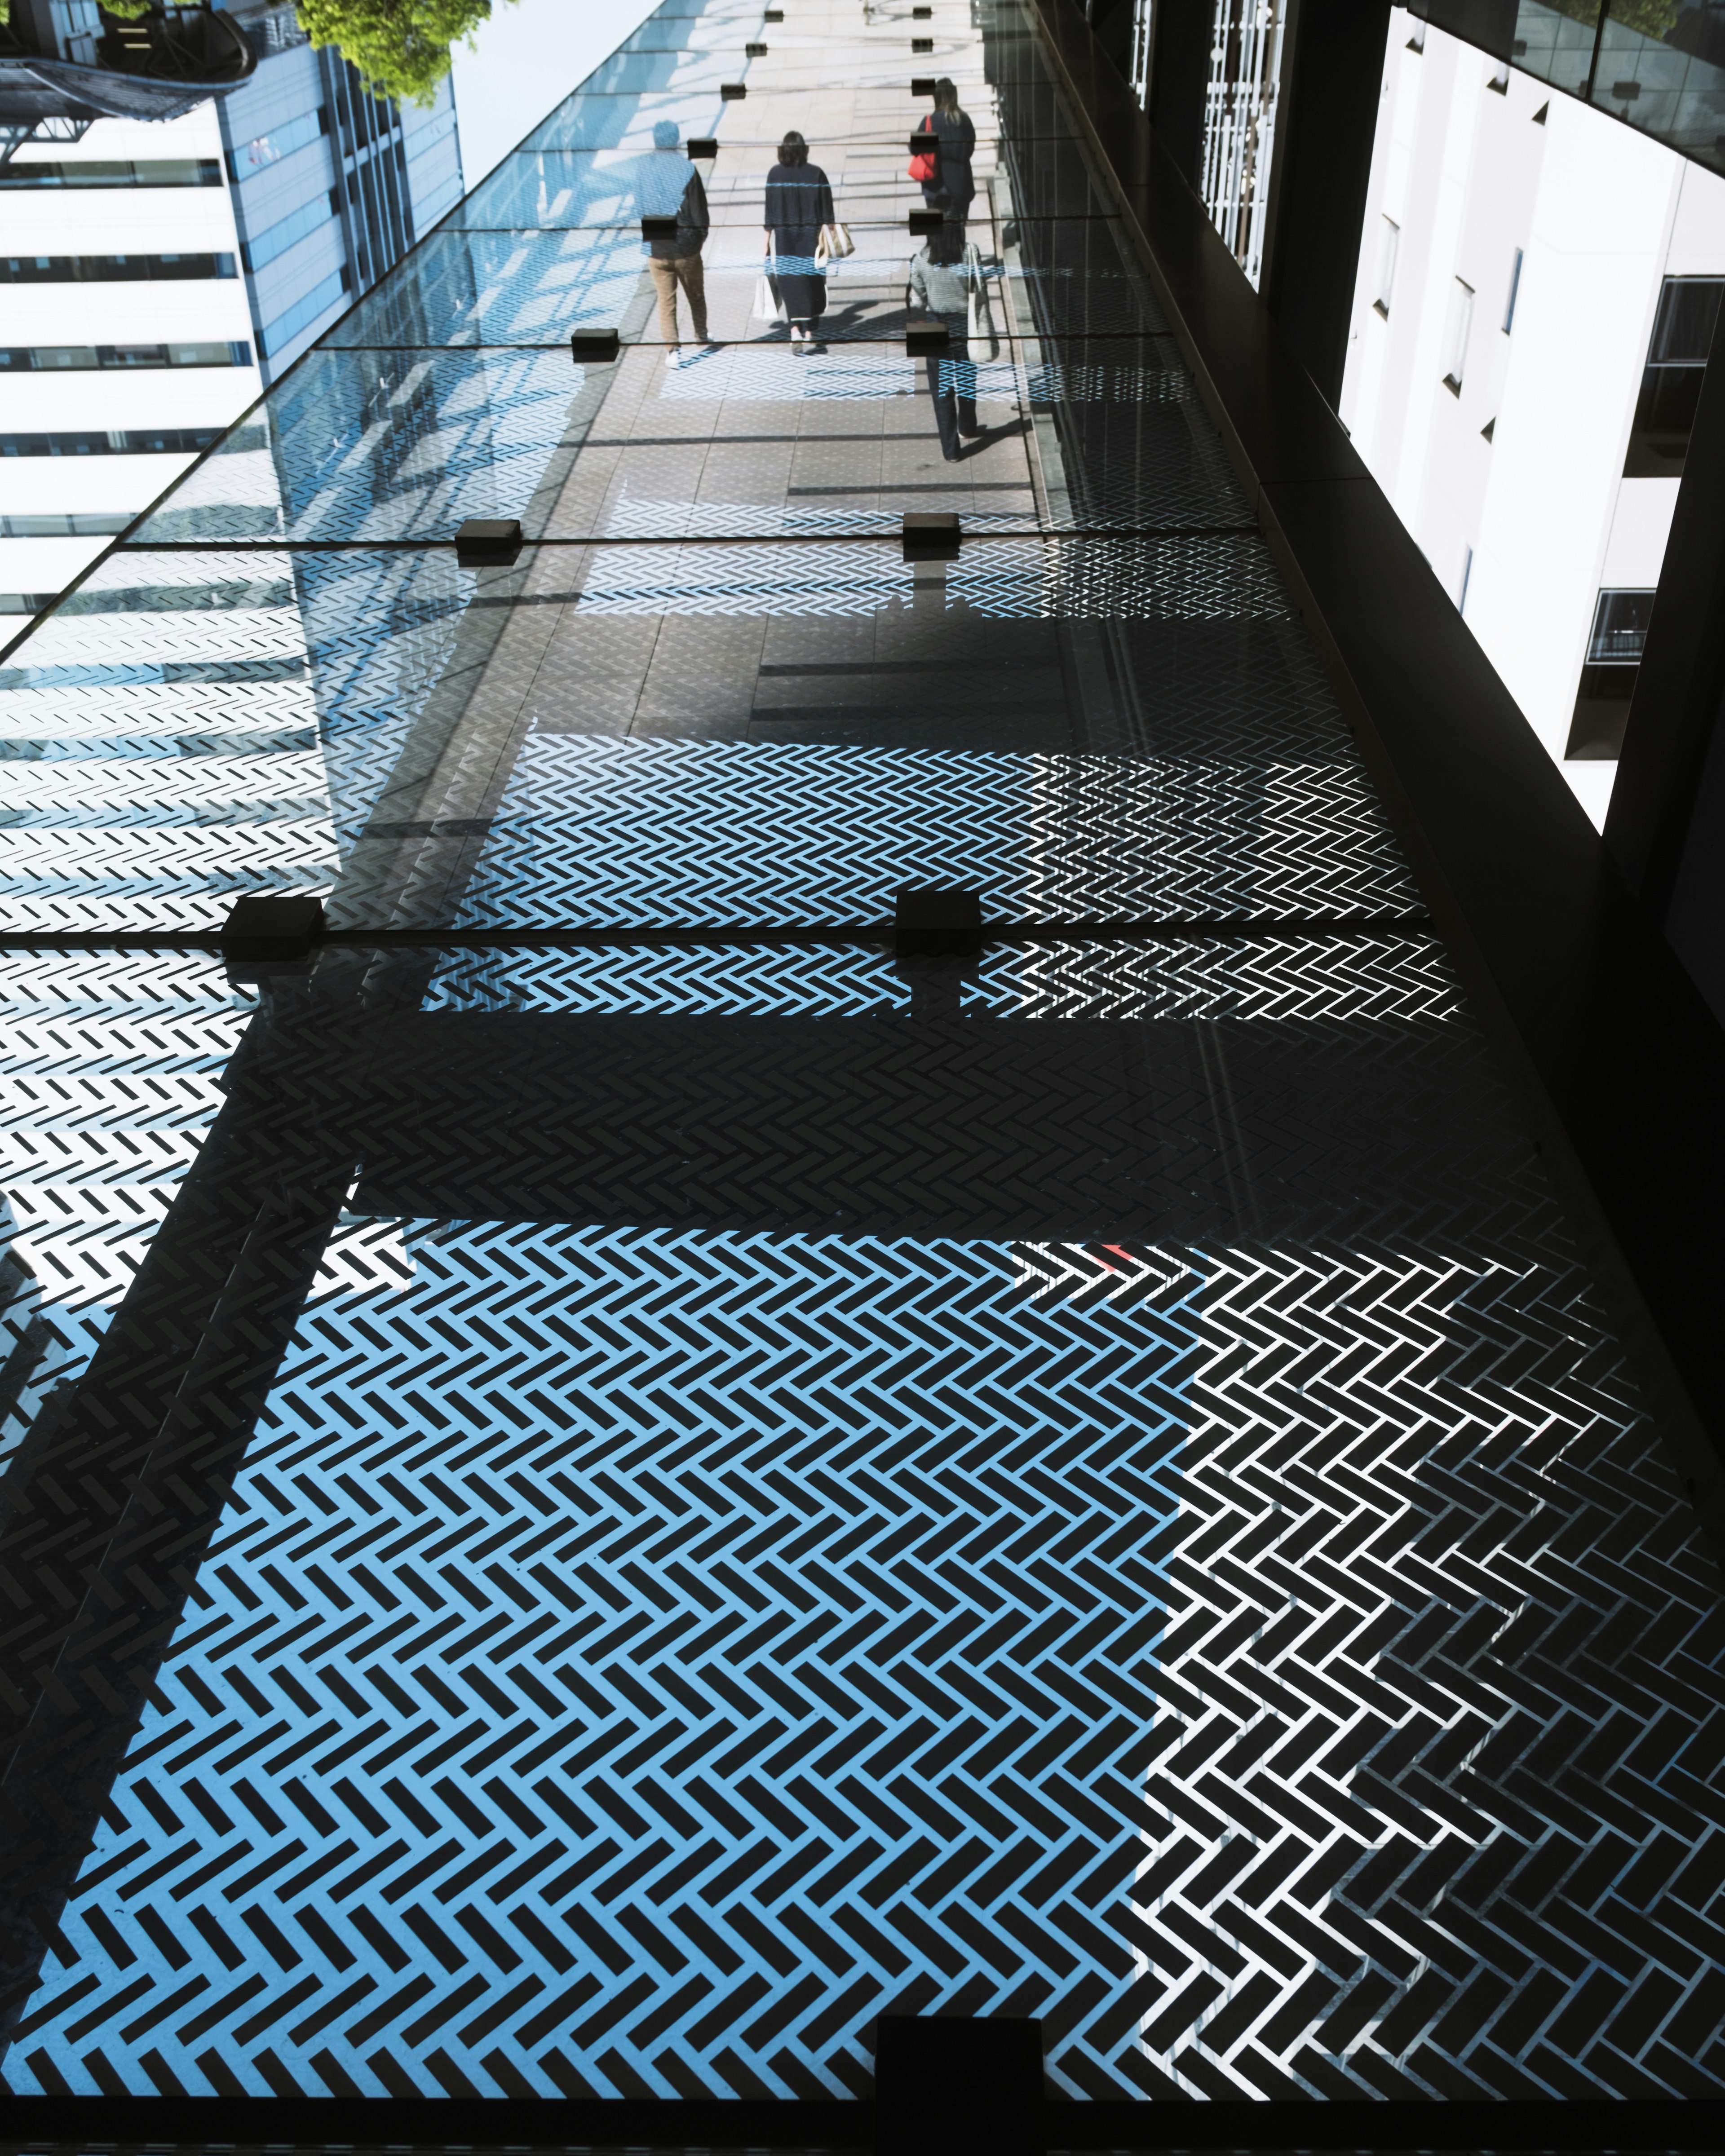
(944, 167)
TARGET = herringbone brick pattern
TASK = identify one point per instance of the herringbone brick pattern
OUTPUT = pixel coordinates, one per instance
(1201, 578)
(163, 752)
(1243, 1658)
(112, 1077)
(1289, 977)
(675, 832)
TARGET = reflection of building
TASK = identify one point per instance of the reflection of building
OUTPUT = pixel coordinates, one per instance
(1239, 123)
(1657, 65)
(127, 341)
(63, 65)
(1536, 292)
(331, 187)
(1243, 67)
(196, 257)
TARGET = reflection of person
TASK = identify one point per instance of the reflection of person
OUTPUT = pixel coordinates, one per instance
(952, 186)
(799, 202)
(938, 281)
(677, 262)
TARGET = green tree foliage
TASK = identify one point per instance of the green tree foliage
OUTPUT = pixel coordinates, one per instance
(1652, 18)
(400, 47)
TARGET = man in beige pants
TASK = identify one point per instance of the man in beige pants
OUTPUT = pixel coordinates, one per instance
(677, 262)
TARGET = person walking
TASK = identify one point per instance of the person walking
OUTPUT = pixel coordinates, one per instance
(799, 202)
(677, 262)
(951, 189)
(938, 281)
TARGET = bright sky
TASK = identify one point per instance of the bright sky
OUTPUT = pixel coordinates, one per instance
(526, 59)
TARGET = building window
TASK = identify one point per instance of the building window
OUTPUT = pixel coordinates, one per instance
(1670, 382)
(1456, 334)
(109, 173)
(1614, 645)
(1389, 240)
(54, 358)
(1620, 630)
(110, 268)
(254, 157)
(120, 441)
(1143, 26)
(86, 524)
(1514, 288)
(1240, 104)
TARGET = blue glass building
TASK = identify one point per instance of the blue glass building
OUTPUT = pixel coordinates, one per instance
(330, 185)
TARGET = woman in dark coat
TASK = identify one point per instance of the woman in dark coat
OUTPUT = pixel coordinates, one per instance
(799, 202)
(952, 187)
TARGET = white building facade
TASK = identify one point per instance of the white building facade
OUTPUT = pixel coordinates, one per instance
(1537, 287)
(156, 275)
(128, 338)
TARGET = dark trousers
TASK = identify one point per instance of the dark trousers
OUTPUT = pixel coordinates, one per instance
(951, 383)
(953, 203)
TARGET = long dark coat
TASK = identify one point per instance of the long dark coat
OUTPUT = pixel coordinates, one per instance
(799, 202)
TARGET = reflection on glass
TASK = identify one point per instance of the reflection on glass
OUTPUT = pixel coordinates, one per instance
(1659, 66)
(1670, 384)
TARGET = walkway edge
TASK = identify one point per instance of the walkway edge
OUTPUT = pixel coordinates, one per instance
(1616, 1061)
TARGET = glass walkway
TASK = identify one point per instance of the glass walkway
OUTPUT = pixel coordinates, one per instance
(607, 1480)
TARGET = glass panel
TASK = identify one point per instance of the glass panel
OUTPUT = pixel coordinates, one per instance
(749, 443)
(1555, 43)
(673, 1480)
(499, 288)
(646, 1640)
(368, 715)
(1659, 66)
(162, 725)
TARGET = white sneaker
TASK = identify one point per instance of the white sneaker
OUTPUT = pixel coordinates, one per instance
(674, 357)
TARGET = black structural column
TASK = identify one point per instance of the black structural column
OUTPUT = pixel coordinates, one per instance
(1331, 80)
(1181, 32)
(1111, 20)
(945, 2084)
(1666, 822)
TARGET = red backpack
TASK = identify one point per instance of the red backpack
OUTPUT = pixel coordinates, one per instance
(922, 166)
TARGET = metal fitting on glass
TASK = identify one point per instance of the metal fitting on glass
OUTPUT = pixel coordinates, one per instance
(482, 541)
(932, 535)
(264, 928)
(935, 923)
